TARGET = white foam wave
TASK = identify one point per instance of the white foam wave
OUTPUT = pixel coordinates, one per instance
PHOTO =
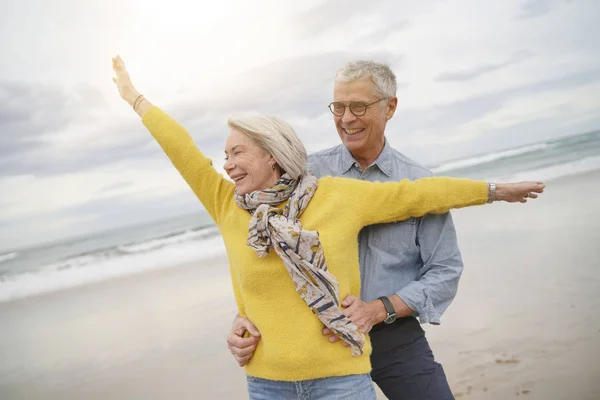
(583, 165)
(469, 162)
(167, 241)
(82, 271)
(8, 256)
(75, 262)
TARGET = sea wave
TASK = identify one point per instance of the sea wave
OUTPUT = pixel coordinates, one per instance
(8, 256)
(486, 158)
(587, 164)
(178, 237)
(86, 269)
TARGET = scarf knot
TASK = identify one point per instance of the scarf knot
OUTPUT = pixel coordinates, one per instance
(262, 218)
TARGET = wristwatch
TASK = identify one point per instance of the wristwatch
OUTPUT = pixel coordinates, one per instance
(391, 313)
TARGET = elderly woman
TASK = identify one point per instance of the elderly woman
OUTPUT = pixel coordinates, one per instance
(312, 226)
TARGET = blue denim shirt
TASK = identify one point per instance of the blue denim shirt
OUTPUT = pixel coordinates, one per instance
(418, 259)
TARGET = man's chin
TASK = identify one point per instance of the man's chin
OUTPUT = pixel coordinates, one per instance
(353, 143)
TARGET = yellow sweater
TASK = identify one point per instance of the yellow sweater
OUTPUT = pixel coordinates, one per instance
(292, 346)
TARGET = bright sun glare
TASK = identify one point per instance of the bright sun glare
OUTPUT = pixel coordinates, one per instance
(202, 38)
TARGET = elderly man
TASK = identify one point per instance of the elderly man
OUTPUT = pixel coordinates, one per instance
(408, 269)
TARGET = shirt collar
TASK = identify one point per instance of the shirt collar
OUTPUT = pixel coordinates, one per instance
(383, 162)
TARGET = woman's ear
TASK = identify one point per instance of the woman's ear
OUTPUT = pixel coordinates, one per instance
(272, 162)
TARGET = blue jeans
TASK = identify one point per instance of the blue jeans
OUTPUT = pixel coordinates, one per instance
(354, 387)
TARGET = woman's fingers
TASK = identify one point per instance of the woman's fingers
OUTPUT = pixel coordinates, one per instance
(118, 65)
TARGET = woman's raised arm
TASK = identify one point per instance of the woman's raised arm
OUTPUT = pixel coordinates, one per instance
(197, 170)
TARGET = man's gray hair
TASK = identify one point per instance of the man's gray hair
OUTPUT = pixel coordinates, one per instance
(381, 75)
(276, 137)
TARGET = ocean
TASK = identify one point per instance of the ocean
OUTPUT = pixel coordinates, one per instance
(160, 244)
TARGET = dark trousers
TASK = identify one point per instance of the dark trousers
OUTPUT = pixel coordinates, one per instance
(403, 364)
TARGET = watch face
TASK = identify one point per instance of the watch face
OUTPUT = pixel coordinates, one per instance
(391, 318)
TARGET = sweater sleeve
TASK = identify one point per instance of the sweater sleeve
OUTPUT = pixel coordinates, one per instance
(211, 188)
(377, 202)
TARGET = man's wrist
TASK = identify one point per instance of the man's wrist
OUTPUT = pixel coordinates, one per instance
(380, 313)
(402, 309)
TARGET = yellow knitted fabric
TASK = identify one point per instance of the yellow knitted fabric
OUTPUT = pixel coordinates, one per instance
(292, 346)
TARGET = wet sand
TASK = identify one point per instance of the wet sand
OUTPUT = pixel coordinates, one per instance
(525, 323)
(526, 320)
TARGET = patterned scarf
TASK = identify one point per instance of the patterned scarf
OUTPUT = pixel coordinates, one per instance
(300, 250)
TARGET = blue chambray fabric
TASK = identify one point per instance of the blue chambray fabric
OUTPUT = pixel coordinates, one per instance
(417, 259)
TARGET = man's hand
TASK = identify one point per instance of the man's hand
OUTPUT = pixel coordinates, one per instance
(364, 315)
(242, 348)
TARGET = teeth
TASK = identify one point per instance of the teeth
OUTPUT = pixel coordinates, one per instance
(239, 178)
(352, 131)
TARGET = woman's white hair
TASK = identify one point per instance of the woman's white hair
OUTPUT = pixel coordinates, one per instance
(276, 137)
(380, 74)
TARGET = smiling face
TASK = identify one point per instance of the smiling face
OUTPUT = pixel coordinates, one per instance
(363, 136)
(248, 165)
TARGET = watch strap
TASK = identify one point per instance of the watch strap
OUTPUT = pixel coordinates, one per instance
(388, 305)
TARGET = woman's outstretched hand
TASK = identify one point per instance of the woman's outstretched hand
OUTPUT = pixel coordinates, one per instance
(123, 81)
(518, 192)
(139, 103)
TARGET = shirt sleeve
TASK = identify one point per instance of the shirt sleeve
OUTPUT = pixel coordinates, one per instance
(211, 188)
(377, 202)
(431, 294)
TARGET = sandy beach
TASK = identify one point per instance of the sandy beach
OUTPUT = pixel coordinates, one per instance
(525, 323)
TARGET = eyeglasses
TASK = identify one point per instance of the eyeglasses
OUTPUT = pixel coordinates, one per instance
(357, 108)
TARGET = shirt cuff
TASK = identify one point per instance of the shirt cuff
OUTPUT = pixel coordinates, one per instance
(416, 296)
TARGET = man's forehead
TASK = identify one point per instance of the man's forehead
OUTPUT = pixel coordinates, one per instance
(361, 90)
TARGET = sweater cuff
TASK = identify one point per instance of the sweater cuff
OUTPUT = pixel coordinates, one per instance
(150, 117)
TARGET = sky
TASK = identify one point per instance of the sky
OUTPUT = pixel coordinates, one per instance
(473, 77)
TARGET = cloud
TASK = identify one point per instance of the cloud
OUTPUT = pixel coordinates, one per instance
(535, 8)
(356, 15)
(301, 86)
(47, 130)
(52, 131)
(27, 112)
(76, 157)
(115, 187)
(380, 35)
(475, 72)
(504, 119)
(462, 111)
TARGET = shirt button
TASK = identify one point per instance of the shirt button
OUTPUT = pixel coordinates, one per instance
(355, 165)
